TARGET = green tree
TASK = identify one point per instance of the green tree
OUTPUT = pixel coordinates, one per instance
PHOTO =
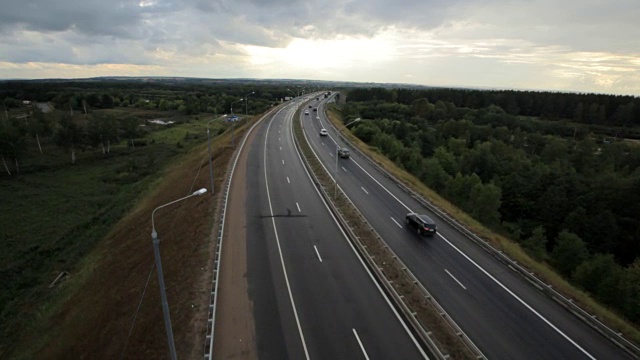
(366, 131)
(130, 128)
(568, 252)
(632, 291)
(39, 126)
(603, 278)
(102, 130)
(434, 175)
(536, 244)
(485, 203)
(460, 190)
(70, 136)
(12, 142)
(446, 159)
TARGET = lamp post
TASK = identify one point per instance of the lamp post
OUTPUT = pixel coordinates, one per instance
(163, 293)
(233, 129)
(335, 187)
(209, 151)
(246, 102)
(293, 92)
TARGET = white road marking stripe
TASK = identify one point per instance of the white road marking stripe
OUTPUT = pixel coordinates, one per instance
(486, 272)
(345, 170)
(397, 223)
(284, 269)
(317, 253)
(298, 206)
(331, 154)
(365, 190)
(289, 181)
(360, 343)
(282, 162)
(519, 299)
(454, 278)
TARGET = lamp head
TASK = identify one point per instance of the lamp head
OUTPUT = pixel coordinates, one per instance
(200, 192)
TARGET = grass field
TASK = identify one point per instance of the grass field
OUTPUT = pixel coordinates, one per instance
(54, 215)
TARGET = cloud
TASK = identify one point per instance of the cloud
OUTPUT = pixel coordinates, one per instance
(581, 45)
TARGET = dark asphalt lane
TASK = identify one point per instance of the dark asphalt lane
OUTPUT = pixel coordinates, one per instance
(502, 313)
(320, 300)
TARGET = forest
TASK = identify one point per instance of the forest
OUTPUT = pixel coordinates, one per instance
(83, 115)
(559, 179)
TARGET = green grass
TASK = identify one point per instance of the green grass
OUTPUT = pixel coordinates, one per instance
(512, 249)
(53, 213)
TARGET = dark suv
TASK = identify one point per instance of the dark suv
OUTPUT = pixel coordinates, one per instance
(422, 223)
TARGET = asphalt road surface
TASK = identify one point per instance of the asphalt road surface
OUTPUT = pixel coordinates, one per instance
(312, 296)
(504, 315)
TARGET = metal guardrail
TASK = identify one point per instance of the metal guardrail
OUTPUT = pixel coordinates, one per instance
(614, 336)
(424, 334)
(211, 318)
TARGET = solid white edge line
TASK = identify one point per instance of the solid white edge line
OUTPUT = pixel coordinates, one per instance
(454, 278)
(317, 253)
(365, 190)
(484, 271)
(519, 299)
(346, 238)
(275, 231)
(222, 227)
(397, 223)
(360, 343)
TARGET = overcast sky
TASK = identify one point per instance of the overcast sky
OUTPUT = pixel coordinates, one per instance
(559, 45)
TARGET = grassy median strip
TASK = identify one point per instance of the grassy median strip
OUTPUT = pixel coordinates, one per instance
(430, 317)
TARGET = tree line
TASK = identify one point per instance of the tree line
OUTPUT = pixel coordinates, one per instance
(80, 119)
(593, 109)
(568, 197)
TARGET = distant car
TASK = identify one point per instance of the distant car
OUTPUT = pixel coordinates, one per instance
(315, 109)
(422, 223)
(310, 106)
(324, 132)
(344, 153)
(306, 112)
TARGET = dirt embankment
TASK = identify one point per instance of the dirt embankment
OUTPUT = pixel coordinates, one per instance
(92, 318)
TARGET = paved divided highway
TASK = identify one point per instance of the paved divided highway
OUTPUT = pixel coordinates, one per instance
(313, 298)
(505, 316)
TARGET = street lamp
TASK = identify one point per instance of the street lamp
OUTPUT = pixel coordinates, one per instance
(335, 187)
(163, 293)
(246, 102)
(233, 129)
(209, 147)
(293, 92)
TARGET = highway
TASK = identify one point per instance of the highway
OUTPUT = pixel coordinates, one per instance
(313, 298)
(504, 315)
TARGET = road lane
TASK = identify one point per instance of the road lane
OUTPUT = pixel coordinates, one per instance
(502, 325)
(331, 291)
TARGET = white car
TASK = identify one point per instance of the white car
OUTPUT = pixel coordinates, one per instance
(306, 112)
(324, 132)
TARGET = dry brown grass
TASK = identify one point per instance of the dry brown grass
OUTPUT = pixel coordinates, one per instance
(93, 312)
(512, 249)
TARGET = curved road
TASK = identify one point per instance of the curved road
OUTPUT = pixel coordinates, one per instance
(505, 316)
(312, 296)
